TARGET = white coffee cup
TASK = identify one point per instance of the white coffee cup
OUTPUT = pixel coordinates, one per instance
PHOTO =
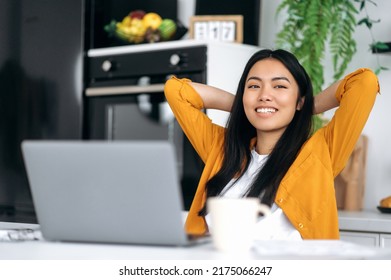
(233, 222)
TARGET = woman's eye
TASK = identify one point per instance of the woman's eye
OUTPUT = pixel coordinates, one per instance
(253, 86)
(280, 86)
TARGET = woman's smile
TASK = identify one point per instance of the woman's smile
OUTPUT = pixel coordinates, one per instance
(266, 110)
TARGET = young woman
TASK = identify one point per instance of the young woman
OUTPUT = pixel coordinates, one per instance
(267, 149)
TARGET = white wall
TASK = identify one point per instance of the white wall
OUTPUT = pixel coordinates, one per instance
(378, 129)
(185, 11)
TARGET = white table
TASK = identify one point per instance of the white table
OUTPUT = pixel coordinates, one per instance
(312, 249)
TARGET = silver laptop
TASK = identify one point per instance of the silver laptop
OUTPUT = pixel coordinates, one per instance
(111, 192)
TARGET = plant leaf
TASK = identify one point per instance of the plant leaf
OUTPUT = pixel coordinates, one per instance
(365, 21)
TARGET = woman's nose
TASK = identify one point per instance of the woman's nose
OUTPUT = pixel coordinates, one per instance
(264, 94)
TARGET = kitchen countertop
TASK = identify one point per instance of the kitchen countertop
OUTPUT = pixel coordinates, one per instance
(365, 221)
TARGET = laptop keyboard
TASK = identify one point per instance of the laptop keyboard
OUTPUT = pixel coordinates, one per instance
(25, 234)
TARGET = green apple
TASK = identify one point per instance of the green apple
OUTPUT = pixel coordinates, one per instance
(167, 28)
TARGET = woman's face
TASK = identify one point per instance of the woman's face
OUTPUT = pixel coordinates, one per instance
(270, 97)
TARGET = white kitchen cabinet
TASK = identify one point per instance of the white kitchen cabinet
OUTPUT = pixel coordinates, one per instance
(385, 240)
(368, 228)
(368, 239)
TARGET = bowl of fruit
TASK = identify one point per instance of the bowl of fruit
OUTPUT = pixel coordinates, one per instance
(145, 27)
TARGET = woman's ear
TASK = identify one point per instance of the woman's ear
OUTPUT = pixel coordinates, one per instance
(300, 103)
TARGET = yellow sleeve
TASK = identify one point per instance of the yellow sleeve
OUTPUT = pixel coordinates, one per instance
(356, 93)
(187, 106)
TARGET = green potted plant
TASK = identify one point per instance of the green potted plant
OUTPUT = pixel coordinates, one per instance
(314, 26)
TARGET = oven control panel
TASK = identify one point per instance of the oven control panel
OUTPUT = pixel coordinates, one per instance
(157, 62)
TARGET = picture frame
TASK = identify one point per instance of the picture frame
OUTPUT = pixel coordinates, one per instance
(224, 28)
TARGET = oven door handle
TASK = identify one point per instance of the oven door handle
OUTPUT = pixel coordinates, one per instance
(107, 91)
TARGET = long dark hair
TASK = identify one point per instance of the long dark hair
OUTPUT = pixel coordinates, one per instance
(240, 132)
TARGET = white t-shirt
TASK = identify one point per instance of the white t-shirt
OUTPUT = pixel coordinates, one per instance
(274, 226)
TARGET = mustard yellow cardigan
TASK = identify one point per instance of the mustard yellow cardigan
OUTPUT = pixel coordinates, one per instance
(306, 193)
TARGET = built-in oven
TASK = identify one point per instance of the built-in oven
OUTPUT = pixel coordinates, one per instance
(124, 99)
